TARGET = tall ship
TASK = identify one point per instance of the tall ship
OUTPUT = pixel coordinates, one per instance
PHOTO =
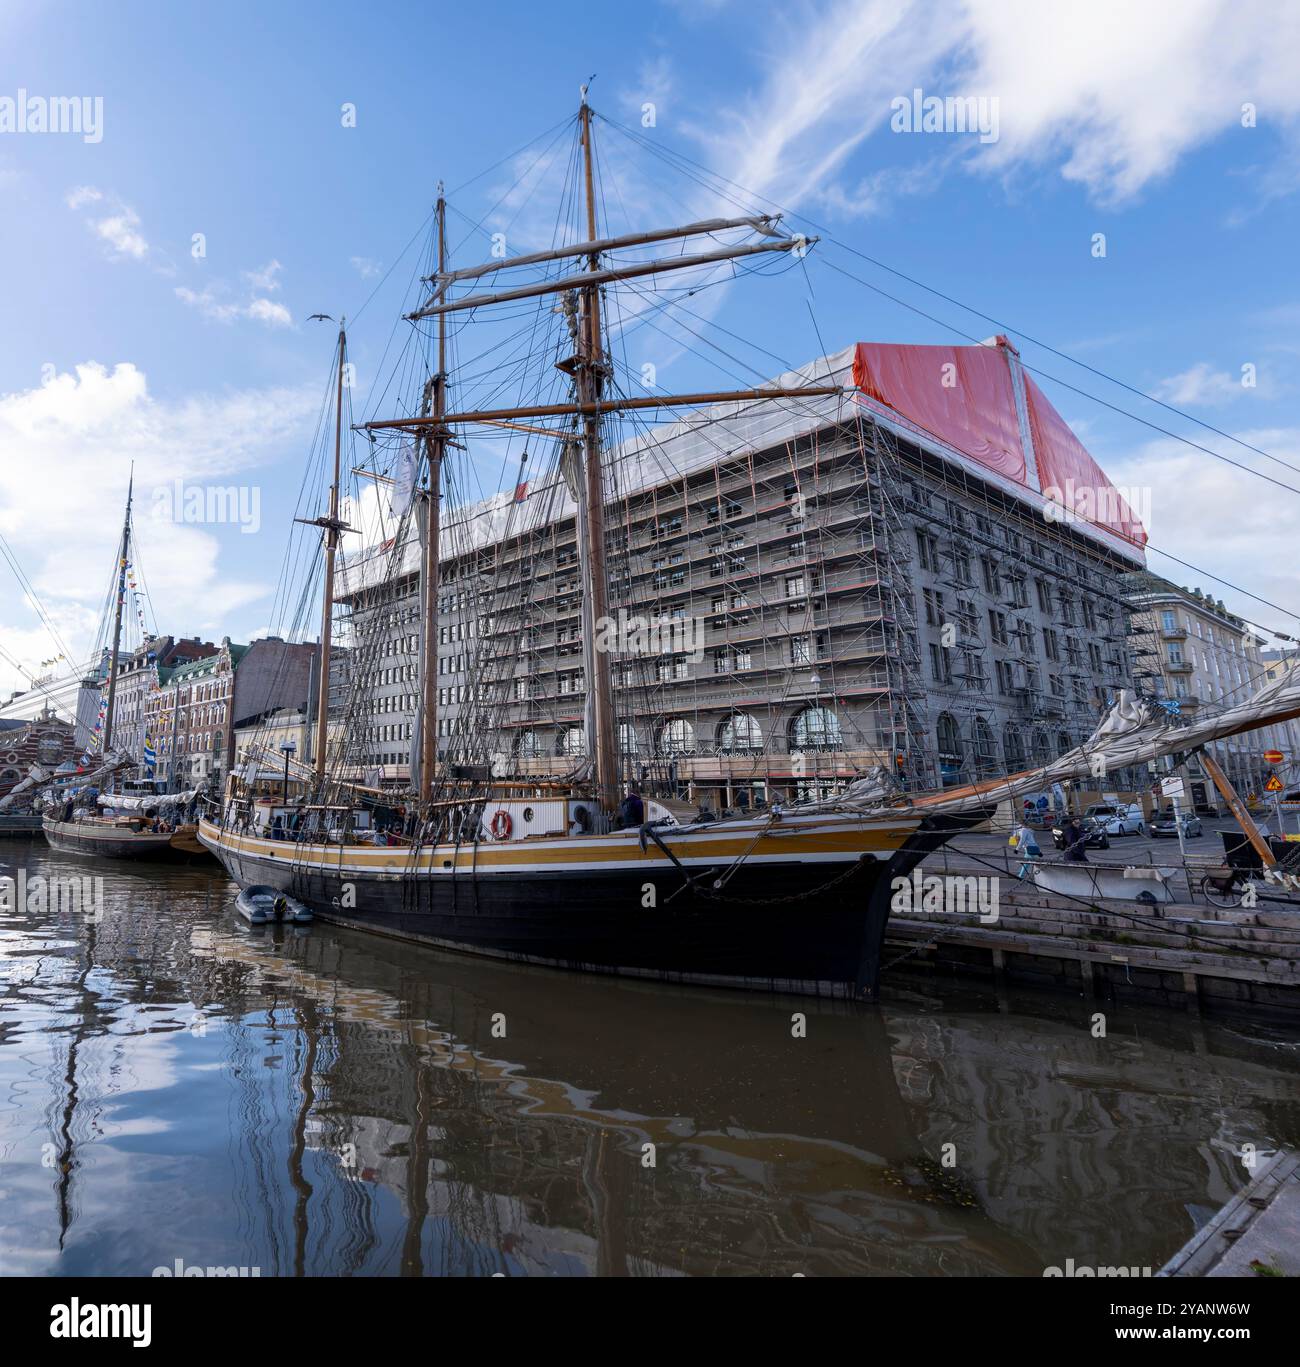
(602, 868)
(112, 806)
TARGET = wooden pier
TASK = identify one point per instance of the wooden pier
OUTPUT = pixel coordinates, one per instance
(1186, 953)
(1257, 1234)
(19, 827)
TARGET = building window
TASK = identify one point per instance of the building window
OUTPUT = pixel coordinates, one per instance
(950, 749)
(816, 728)
(676, 737)
(986, 757)
(739, 732)
(928, 550)
(572, 742)
(1013, 746)
(940, 668)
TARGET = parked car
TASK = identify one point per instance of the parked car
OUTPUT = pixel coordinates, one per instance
(1124, 819)
(1096, 836)
(1166, 825)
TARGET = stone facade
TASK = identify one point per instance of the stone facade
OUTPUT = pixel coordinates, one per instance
(192, 715)
(139, 674)
(1190, 651)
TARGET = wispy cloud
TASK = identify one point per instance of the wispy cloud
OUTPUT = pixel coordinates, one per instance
(365, 267)
(1203, 385)
(215, 302)
(1111, 95)
(114, 223)
(265, 277)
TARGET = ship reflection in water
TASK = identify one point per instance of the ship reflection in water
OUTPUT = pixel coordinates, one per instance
(181, 1088)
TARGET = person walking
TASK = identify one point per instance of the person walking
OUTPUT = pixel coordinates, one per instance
(1026, 845)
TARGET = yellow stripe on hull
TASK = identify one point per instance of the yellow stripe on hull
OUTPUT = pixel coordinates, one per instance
(821, 842)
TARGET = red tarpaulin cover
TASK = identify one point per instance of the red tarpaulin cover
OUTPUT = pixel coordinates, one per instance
(975, 413)
(1070, 473)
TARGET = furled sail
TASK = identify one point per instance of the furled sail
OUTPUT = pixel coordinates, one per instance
(35, 775)
(1134, 731)
(140, 803)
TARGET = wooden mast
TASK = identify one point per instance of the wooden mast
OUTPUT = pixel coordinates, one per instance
(590, 372)
(590, 386)
(435, 445)
(1238, 808)
(117, 619)
(332, 527)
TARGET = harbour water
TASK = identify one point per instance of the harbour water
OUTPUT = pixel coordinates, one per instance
(181, 1090)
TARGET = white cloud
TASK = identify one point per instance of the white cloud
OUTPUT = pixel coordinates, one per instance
(794, 134)
(1111, 94)
(1118, 93)
(118, 229)
(1209, 513)
(1202, 385)
(212, 303)
(271, 312)
(264, 278)
(365, 267)
(65, 452)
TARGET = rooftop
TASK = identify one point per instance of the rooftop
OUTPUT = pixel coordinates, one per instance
(992, 421)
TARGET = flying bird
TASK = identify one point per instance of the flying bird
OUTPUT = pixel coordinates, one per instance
(323, 316)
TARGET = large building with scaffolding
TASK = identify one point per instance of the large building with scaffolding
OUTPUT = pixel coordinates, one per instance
(922, 573)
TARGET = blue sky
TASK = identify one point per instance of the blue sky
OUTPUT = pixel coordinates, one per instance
(226, 121)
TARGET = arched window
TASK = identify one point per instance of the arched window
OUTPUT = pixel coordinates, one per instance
(948, 734)
(739, 732)
(1063, 743)
(1013, 747)
(816, 728)
(572, 742)
(1042, 746)
(986, 750)
(676, 737)
(629, 741)
(528, 746)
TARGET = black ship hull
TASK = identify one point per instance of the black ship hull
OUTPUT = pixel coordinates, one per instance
(793, 926)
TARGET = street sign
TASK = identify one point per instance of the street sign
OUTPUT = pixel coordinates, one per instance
(1171, 787)
(1272, 757)
(1274, 784)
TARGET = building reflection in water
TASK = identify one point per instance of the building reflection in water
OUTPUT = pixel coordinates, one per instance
(312, 1101)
